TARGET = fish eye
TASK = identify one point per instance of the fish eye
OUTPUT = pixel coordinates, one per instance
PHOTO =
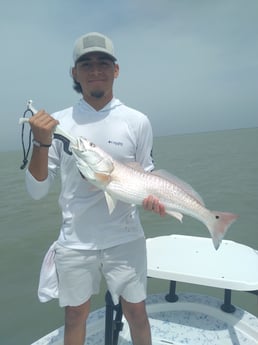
(92, 145)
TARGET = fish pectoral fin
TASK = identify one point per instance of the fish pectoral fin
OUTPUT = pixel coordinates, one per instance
(103, 178)
(111, 202)
(176, 215)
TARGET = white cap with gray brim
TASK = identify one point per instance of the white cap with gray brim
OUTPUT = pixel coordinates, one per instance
(91, 43)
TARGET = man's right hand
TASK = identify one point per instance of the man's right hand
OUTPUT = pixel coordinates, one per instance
(42, 126)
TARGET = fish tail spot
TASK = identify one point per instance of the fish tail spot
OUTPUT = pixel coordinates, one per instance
(218, 227)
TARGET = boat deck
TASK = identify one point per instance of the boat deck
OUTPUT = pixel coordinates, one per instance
(193, 319)
(196, 319)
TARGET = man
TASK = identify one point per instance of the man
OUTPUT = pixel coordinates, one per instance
(91, 241)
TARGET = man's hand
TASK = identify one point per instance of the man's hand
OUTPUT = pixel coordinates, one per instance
(152, 204)
(42, 126)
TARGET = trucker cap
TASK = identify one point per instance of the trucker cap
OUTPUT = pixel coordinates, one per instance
(93, 42)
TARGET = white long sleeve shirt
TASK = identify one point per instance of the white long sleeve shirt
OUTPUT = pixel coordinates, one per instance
(126, 135)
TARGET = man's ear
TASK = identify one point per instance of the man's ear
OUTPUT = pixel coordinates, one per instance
(74, 73)
(116, 71)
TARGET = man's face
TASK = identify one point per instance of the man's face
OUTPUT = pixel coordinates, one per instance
(95, 72)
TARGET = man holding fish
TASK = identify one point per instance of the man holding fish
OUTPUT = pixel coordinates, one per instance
(93, 240)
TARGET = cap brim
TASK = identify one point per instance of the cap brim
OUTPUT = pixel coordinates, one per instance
(82, 57)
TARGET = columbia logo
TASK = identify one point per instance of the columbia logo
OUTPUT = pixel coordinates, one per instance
(117, 143)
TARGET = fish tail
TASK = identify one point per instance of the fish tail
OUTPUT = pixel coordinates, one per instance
(219, 224)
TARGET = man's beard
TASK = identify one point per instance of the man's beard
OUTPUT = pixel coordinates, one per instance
(97, 94)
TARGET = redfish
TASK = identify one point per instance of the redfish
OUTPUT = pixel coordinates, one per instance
(132, 185)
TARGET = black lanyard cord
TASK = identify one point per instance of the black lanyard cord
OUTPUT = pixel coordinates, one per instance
(25, 152)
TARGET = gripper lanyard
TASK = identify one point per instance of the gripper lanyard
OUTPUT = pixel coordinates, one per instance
(29, 111)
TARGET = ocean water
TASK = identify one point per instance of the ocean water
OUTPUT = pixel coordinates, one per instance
(221, 166)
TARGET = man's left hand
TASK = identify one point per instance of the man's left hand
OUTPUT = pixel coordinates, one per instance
(152, 204)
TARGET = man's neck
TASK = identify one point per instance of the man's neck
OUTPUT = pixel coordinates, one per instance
(98, 103)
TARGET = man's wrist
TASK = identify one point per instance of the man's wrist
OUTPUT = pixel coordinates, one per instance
(39, 144)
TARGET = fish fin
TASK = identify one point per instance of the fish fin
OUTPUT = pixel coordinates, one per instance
(111, 202)
(176, 215)
(180, 183)
(102, 177)
(219, 226)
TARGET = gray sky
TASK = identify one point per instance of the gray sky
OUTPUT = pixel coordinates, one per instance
(190, 65)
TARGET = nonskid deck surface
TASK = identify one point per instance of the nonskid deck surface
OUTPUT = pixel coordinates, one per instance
(197, 319)
(194, 319)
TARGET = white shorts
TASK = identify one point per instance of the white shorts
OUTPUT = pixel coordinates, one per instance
(124, 268)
